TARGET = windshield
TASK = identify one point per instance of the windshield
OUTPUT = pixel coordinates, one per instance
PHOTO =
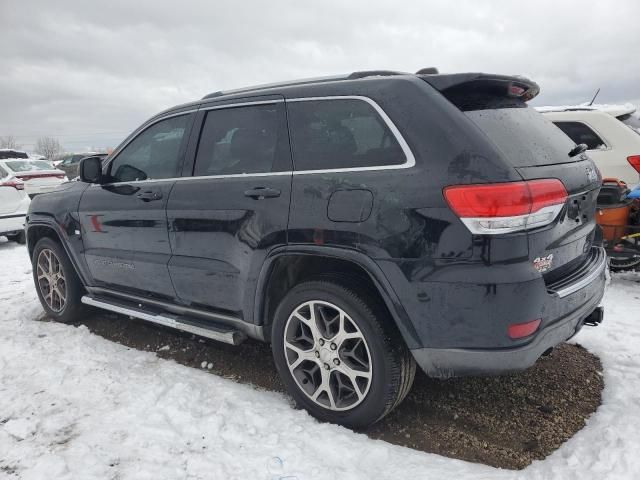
(524, 136)
(28, 166)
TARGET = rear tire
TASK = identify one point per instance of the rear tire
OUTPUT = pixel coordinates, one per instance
(344, 363)
(623, 265)
(57, 283)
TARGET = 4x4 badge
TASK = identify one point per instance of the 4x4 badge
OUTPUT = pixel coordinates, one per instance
(542, 264)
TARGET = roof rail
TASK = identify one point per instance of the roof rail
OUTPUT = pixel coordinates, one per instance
(374, 73)
(306, 81)
(265, 86)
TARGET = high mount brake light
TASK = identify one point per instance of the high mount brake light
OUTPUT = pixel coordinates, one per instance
(634, 161)
(494, 208)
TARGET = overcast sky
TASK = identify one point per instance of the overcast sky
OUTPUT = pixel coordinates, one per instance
(90, 72)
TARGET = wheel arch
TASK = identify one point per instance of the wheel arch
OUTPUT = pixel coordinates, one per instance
(39, 229)
(288, 266)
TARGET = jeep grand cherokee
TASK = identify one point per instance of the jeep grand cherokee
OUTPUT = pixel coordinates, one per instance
(360, 224)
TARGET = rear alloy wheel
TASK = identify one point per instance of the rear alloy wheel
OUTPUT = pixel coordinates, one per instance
(338, 353)
(57, 283)
(327, 355)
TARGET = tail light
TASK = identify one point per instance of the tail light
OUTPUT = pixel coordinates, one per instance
(14, 182)
(634, 161)
(521, 330)
(494, 208)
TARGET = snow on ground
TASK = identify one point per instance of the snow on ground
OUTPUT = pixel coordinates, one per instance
(74, 405)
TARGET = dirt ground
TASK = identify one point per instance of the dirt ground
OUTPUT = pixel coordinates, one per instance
(506, 421)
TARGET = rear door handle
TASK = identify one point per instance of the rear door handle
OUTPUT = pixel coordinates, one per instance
(260, 193)
(149, 196)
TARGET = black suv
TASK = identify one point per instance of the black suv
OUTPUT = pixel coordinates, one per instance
(360, 224)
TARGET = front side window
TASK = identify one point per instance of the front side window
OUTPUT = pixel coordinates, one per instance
(243, 140)
(340, 133)
(153, 154)
(581, 133)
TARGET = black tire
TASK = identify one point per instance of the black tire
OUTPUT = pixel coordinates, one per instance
(73, 308)
(20, 238)
(623, 265)
(392, 365)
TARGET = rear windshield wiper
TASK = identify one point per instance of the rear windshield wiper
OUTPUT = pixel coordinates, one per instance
(578, 149)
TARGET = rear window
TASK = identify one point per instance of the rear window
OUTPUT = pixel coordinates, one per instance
(631, 121)
(31, 165)
(582, 133)
(524, 135)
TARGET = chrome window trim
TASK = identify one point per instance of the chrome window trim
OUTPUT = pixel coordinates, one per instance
(409, 162)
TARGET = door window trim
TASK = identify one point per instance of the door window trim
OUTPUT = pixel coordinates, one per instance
(410, 160)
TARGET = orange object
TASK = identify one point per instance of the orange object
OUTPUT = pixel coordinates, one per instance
(613, 219)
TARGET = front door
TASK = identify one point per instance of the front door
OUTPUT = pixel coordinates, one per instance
(225, 218)
(124, 223)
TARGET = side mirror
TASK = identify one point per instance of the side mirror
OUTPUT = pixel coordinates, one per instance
(91, 170)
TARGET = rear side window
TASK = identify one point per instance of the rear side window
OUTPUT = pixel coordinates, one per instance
(243, 140)
(581, 133)
(3, 173)
(524, 136)
(153, 154)
(340, 133)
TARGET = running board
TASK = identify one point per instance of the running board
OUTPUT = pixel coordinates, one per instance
(219, 333)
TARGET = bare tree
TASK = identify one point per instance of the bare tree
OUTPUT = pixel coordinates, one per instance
(9, 142)
(49, 147)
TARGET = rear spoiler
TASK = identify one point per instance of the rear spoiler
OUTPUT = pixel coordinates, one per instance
(456, 84)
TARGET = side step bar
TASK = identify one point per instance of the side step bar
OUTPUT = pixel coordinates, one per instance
(221, 334)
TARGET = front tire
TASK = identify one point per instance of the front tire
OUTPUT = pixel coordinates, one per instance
(338, 354)
(57, 283)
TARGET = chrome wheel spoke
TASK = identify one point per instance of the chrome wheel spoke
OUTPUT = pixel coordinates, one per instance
(51, 281)
(327, 355)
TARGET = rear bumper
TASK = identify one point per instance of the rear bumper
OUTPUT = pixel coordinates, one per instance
(453, 362)
(563, 311)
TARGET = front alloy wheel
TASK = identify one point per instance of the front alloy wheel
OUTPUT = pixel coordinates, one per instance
(51, 280)
(327, 355)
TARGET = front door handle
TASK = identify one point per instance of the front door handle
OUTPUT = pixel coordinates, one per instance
(260, 193)
(149, 196)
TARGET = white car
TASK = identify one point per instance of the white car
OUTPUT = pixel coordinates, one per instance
(14, 203)
(38, 175)
(611, 133)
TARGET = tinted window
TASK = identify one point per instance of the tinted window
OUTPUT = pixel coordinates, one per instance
(330, 134)
(580, 133)
(241, 140)
(153, 154)
(3, 173)
(524, 136)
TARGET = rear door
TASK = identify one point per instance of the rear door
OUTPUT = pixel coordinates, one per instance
(124, 223)
(231, 208)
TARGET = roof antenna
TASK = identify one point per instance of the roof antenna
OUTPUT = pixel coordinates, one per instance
(594, 97)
